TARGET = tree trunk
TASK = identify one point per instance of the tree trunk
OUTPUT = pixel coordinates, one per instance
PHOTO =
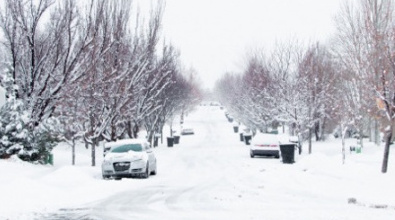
(129, 128)
(317, 131)
(150, 137)
(161, 135)
(322, 129)
(310, 137)
(376, 132)
(370, 129)
(387, 150)
(113, 130)
(361, 134)
(294, 129)
(343, 134)
(93, 155)
(73, 151)
(135, 131)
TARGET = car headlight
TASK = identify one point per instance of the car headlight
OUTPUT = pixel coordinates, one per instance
(138, 161)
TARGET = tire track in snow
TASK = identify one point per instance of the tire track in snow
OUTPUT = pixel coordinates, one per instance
(193, 184)
(183, 196)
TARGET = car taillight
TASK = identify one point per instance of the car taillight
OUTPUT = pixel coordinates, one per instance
(266, 145)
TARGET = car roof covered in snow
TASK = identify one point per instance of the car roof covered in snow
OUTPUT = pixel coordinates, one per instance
(125, 141)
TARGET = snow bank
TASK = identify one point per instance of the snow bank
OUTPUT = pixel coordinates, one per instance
(209, 175)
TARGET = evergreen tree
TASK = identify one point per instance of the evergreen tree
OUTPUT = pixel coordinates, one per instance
(17, 135)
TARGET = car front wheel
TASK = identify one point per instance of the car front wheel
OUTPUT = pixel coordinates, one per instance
(146, 173)
(106, 177)
(252, 154)
(155, 170)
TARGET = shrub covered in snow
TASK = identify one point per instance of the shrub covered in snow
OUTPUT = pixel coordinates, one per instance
(17, 133)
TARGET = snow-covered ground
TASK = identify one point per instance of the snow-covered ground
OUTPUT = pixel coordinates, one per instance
(209, 175)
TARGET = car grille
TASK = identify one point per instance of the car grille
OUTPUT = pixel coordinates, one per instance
(121, 166)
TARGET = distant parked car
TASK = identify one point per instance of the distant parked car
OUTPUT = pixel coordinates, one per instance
(265, 145)
(129, 158)
(187, 131)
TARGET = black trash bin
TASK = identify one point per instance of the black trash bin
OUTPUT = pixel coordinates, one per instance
(287, 153)
(241, 137)
(170, 141)
(176, 139)
(156, 139)
(235, 129)
(247, 139)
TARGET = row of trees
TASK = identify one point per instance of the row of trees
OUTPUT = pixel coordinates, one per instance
(89, 70)
(348, 83)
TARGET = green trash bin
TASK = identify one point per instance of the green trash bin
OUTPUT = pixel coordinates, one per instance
(358, 150)
(50, 159)
(287, 153)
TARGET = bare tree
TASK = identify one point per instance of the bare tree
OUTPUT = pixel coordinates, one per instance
(46, 55)
(316, 79)
(365, 29)
(380, 26)
(46, 45)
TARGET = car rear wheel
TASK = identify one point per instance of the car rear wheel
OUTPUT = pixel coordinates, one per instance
(252, 154)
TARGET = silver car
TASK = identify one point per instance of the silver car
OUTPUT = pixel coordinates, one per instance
(187, 131)
(129, 158)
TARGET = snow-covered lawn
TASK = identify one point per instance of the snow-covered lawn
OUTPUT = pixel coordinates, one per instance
(209, 175)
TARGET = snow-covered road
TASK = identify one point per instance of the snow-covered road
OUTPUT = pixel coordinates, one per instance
(203, 177)
(210, 175)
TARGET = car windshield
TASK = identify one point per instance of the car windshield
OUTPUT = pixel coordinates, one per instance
(126, 148)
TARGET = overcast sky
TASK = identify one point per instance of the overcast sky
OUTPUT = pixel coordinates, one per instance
(213, 36)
